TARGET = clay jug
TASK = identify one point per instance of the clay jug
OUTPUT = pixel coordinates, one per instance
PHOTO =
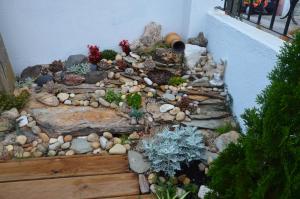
(174, 40)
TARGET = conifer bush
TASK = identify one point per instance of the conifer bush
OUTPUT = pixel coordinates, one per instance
(265, 163)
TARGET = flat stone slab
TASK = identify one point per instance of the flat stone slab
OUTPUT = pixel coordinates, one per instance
(80, 120)
(208, 124)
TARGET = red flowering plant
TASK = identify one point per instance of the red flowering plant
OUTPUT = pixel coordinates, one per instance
(125, 46)
(94, 54)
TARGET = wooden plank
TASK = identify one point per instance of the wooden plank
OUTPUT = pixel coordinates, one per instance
(7, 77)
(134, 197)
(99, 186)
(42, 168)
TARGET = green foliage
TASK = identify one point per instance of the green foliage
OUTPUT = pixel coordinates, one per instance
(168, 190)
(8, 101)
(134, 100)
(24, 83)
(225, 128)
(112, 96)
(176, 80)
(266, 161)
(124, 139)
(80, 69)
(192, 189)
(138, 114)
(167, 150)
(108, 54)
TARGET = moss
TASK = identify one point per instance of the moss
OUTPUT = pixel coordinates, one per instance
(112, 96)
(8, 101)
(176, 81)
(108, 54)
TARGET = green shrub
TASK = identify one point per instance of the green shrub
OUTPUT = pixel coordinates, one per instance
(167, 150)
(8, 101)
(108, 54)
(112, 96)
(225, 128)
(266, 161)
(134, 100)
(176, 81)
(80, 69)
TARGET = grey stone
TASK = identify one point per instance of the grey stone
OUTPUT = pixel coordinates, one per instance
(208, 124)
(31, 72)
(95, 76)
(137, 162)
(11, 114)
(5, 125)
(144, 185)
(75, 59)
(200, 40)
(66, 145)
(42, 147)
(223, 140)
(192, 54)
(81, 146)
(103, 142)
(54, 146)
(41, 80)
(103, 102)
(169, 96)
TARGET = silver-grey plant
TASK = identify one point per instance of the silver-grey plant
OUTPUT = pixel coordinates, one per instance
(168, 150)
(80, 69)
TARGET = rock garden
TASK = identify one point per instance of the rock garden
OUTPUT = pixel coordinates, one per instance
(159, 100)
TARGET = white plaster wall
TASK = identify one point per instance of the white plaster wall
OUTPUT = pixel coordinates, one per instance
(39, 31)
(250, 54)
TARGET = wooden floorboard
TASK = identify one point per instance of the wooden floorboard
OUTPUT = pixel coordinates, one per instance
(46, 168)
(99, 186)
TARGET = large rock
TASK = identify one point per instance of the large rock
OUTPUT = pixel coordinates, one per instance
(79, 120)
(73, 79)
(137, 162)
(5, 125)
(81, 146)
(47, 99)
(223, 140)
(200, 40)
(117, 149)
(75, 59)
(43, 79)
(192, 54)
(31, 72)
(95, 76)
(208, 124)
(11, 114)
(152, 35)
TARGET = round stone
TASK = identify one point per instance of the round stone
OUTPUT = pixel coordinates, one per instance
(68, 138)
(166, 107)
(70, 152)
(21, 139)
(93, 137)
(63, 96)
(180, 116)
(108, 135)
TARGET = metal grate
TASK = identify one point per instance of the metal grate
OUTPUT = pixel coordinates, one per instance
(263, 13)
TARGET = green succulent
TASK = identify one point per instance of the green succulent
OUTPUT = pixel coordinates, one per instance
(108, 54)
(112, 96)
(138, 114)
(176, 81)
(134, 100)
(24, 83)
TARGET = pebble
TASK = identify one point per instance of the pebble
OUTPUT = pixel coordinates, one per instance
(203, 191)
(111, 75)
(134, 89)
(54, 146)
(21, 139)
(36, 130)
(127, 146)
(174, 111)
(9, 148)
(86, 103)
(169, 96)
(23, 121)
(95, 145)
(134, 136)
(52, 140)
(152, 178)
(201, 167)
(100, 93)
(70, 152)
(72, 95)
(94, 104)
(68, 102)
(26, 154)
(109, 145)
(144, 185)
(60, 139)
(117, 140)
(61, 153)
(68, 138)
(81, 146)
(37, 154)
(103, 142)
(180, 116)
(97, 151)
(129, 71)
(166, 107)
(93, 137)
(51, 153)
(31, 124)
(137, 162)
(148, 81)
(103, 102)
(66, 145)
(118, 57)
(117, 149)
(63, 97)
(10, 114)
(107, 135)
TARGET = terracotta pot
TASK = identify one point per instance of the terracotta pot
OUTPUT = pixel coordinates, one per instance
(174, 40)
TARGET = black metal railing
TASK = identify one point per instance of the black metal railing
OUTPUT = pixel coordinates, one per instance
(254, 10)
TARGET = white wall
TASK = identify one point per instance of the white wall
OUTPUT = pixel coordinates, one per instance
(39, 31)
(250, 54)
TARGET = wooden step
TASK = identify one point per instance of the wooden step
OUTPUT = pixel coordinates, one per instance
(135, 197)
(57, 167)
(98, 186)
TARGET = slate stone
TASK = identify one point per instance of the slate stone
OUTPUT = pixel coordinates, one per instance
(41, 80)
(95, 76)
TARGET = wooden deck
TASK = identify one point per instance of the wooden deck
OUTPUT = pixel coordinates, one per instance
(69, 178)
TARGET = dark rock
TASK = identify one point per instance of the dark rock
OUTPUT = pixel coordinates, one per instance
(95, 76)
(200, 40)
(75, 59)
(56, 66)
(167, 56)
(161, 77)
(73, 79)
(31, 72)
(93, 67)
(59, 76)
(41, 80)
